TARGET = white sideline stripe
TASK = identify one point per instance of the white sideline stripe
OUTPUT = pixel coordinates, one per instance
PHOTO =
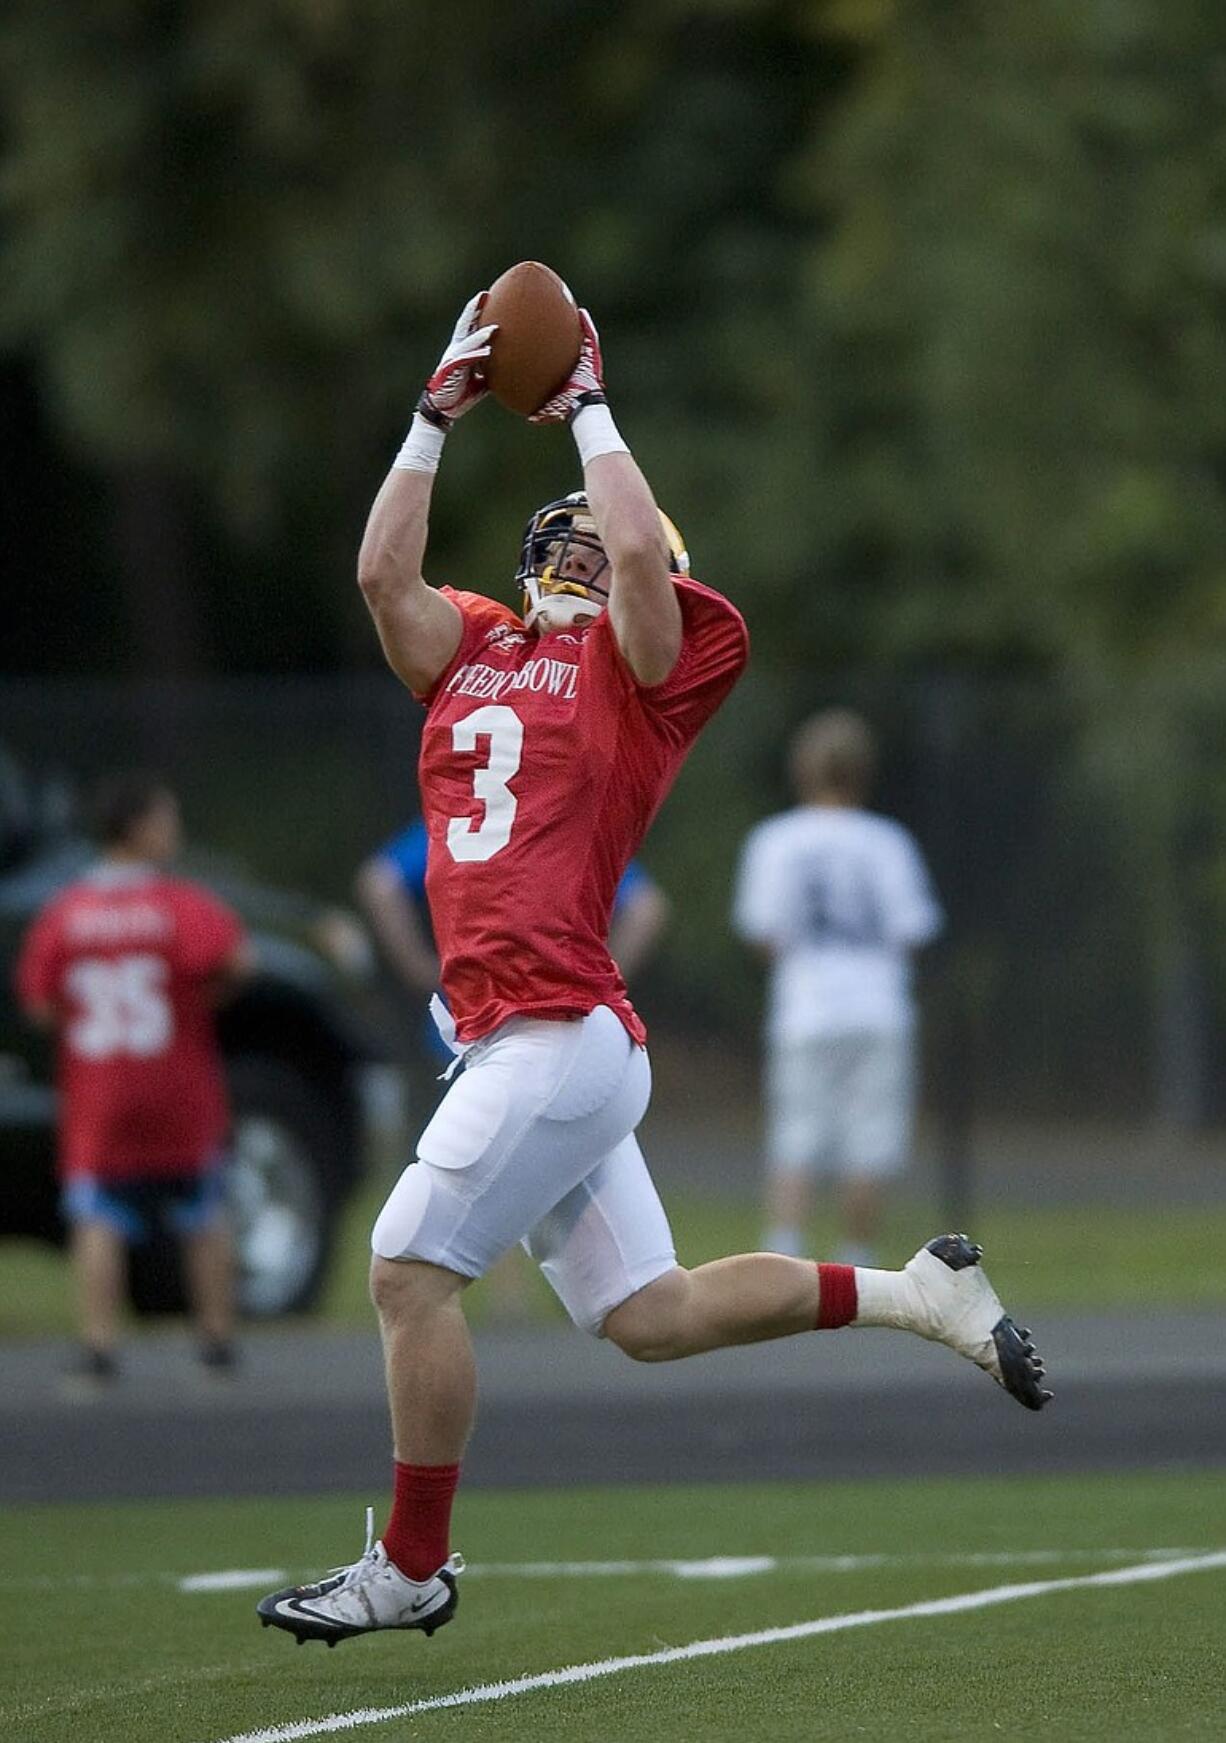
(580, 1673)
(234, 1579)
(727, 1567)
(716, 1567)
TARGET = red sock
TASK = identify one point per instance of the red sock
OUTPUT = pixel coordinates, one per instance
(838, 1296)
(417, 1538)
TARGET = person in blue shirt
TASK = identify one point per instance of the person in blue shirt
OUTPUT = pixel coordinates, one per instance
(391, 889)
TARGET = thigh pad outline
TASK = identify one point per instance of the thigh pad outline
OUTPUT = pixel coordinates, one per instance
(597, 1069)
(467, 1120)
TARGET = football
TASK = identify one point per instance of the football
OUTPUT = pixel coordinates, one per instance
(538, 338)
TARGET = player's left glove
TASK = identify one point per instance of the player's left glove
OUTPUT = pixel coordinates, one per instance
(457, 384)
(586, 383)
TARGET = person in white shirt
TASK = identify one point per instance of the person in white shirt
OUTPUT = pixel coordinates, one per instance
(839, 899)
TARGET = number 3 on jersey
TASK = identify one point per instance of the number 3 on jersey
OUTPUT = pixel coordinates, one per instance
(505, 732)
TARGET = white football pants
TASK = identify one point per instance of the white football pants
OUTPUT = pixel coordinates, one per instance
(534, 1142)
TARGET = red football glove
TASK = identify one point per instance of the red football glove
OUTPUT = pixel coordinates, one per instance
(586, 383)
(457, 385)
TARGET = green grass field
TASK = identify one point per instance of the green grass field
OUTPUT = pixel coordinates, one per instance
(102, 1644)
(1054, 1257)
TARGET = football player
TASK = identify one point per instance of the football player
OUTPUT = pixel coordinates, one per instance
(839, 901)
(550, 740)
(126, 966)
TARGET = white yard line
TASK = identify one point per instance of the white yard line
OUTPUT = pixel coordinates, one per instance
(714, 1567)
(730, 1567)
(581, 1673)
(235, 1579)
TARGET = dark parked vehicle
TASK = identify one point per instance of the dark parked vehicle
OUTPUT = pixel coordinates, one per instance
(301, 1052)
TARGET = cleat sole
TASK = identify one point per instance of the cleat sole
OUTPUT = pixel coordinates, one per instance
(1020, 1367)
(1010, 1358)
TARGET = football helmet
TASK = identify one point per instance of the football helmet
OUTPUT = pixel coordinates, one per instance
(563, 564)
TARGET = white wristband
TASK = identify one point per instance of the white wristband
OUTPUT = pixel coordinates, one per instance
(596, 433)
(422, 448)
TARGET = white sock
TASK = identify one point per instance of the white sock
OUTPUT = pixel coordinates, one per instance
(883, 1298)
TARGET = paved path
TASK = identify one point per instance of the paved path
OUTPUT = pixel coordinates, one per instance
(306, 1413)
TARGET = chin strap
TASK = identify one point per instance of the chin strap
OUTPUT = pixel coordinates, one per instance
(562, 608)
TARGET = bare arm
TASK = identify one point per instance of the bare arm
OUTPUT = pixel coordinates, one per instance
(395, 923)
(419, 628)
(636, 927)
(225, 980)
(643, 605)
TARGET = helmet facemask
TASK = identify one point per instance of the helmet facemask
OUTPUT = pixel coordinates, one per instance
(563, 567)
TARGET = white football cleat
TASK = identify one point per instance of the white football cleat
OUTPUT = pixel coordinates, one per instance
(371, 1594)
(952, 1302)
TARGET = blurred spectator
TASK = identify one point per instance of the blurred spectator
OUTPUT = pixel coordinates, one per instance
(391, 888)
(838, 899)
(126, 966)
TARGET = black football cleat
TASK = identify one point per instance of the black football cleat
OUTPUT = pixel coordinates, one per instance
(953, 1303)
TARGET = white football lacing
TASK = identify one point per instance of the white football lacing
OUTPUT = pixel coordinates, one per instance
(370, 1557)
(351, 1570)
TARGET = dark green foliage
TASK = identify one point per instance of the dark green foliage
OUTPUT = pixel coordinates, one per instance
(914, 311)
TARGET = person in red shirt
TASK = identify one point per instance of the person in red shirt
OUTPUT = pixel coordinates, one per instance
(551, 738)
(126, 966)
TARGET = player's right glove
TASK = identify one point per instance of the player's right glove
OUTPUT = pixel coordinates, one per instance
(457, 384)
(586, 383)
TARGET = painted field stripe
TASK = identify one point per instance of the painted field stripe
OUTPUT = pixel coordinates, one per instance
(234, 1579)
(714, 1567)
(728, 1567)
(581, 1673)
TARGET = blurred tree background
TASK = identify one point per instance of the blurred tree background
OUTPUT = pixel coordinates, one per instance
(914, 312)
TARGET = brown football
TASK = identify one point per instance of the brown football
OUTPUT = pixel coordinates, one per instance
(538, 338)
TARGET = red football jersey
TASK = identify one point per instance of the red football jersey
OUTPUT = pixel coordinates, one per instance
(123, 956)
(543, 761)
